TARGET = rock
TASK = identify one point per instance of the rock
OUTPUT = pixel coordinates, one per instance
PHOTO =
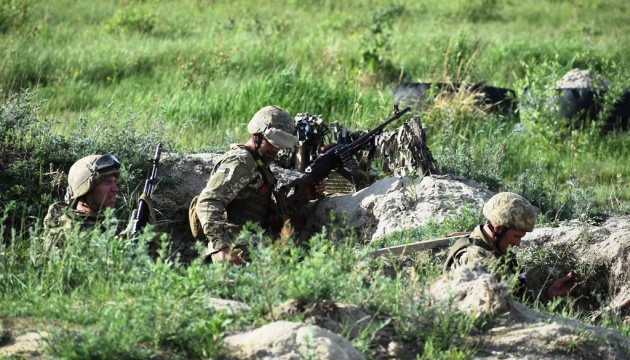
(600, 250)
(472, 290)
(285, 340)
(390, 204)
(231, 306)
(395, 204)
(519, 332)
(582, 79)
(336, 317)
(181, 179)
(25, 346)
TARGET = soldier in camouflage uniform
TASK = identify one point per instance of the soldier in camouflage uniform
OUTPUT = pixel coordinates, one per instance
(240, 185)
(509, 218)
(91, 189)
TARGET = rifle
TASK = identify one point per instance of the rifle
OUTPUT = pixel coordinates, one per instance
(140, 216)
(333, 158)
(417, 246)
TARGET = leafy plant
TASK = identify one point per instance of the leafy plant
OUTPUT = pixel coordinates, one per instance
(478, 11)
(464, 157)
(376, 43)
(131, 19)
(13, 15)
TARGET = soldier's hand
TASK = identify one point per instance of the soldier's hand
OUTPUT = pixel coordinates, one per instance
(226, 254)
(563, 285)
(313, 192)
(344, 160)
(326, 147)
(320, 188)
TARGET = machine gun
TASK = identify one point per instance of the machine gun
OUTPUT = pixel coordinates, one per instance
(140, 216)
(333, 158)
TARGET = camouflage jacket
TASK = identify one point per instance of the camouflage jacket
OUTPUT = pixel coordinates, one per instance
(473, 248)
(61, 218)
(239, 190)
(476, 247)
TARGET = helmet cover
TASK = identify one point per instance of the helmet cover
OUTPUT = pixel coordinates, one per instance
(88, 172)
(510, 210)
(276, 125)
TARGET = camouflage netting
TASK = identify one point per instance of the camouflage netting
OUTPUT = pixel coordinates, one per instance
(404, 151)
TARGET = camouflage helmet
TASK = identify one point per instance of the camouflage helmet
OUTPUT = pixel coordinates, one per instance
(88, 172)
(276, 125)
(510, 210)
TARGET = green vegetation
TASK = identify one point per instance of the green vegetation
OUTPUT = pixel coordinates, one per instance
(83, 77)
(205, 67)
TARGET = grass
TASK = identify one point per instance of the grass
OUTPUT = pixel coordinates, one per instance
(119, 76)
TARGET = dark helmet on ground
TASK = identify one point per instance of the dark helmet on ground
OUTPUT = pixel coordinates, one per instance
(87, 173)
(275, 125)
(511, 211)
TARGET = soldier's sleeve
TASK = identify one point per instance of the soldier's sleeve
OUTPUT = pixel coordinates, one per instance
(470, 255)
(228, 178)
(56, 224)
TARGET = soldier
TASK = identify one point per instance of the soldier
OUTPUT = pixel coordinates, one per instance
(240, 185)
(91, 189)
(509, 218)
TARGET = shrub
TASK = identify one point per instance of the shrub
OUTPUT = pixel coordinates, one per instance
(472, 157)
(13, 15)
(131, 19)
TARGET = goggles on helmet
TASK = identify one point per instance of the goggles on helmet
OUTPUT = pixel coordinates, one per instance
(105, 163)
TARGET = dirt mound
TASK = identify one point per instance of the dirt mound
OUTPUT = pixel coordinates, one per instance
(598, 253)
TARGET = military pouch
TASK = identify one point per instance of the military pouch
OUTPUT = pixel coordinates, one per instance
(195, 225)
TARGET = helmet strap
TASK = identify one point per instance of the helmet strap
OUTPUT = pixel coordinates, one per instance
(498, 235)
(88, 201)
(257, 141)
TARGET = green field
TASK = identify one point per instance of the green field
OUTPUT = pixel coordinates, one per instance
(83, 77)
(204, 67)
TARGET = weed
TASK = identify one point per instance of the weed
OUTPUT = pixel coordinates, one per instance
(200, 73)
(481, 10)
(376, 44)
(460, 55)
(13, 15)
(457, 156)
(131, 19)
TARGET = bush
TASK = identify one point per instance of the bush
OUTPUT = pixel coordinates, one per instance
(131, 19)
(13, 15)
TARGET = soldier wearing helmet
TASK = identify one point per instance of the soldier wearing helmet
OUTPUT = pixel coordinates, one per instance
(509, 217)
(91, 189)
(240, 185)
